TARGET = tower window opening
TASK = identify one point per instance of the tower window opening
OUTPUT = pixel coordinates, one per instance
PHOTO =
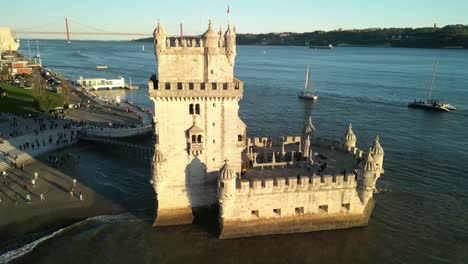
(254, 213)
(202, 86)
(168, 86)
(194, 139)
(221, 184)
(345, 206)
(199, 139)
(191, 109)
(299, 210)
(240, 138)
(191, 86)
(213, 86)
(225, 86)
(277, 212)
(197, 109)
(179, 86)
(323, 208)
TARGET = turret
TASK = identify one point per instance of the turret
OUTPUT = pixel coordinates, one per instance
(349, 140)
(308, 130)
(220, 37)
(210, 38)
(377, 153)
(226, 188)
(367, 178)
(230, 43)
(159, 39)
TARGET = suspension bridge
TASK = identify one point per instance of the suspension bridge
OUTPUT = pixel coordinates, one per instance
(84, 29)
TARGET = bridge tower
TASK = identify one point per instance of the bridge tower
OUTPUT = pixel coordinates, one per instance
(197, 127)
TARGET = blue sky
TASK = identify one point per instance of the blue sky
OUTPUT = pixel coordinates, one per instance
(249, 16)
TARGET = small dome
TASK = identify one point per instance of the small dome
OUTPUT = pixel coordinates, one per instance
(230, 32)
(210, 33)
(159, 30)
(369, 165)
(350, 136)
(227, 173)
(377, 148)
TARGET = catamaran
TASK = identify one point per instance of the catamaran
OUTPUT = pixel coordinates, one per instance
(430, 103)
(308, 92)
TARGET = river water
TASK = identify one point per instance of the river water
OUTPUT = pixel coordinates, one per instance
(421, 215)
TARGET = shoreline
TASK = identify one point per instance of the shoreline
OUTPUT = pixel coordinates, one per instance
(25, 220)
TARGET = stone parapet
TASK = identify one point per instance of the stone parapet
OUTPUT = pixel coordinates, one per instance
(195, 89)
(295, 184)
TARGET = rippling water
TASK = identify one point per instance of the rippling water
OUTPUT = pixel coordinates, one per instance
(421, 213)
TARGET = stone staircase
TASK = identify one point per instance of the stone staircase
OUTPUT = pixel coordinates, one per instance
(25, 157)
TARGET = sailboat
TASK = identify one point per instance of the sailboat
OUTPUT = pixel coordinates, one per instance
(308, 92)
(430, 103)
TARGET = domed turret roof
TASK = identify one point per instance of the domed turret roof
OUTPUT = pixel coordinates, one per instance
(350, 136)
(370, 165)
(210, 33)
(377, 148)
(227, 173)
(159, 30)
(230, 31)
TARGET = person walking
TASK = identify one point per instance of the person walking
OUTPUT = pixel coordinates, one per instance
(81, 196)
(42, 197)
(4, 174)
(28, 198)
(33, 182)
(36, 175)
(74, 182)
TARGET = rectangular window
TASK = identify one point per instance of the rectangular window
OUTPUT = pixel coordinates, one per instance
(221, 184)
(191, 86)
(323, 208)
(202, 86)
(277, 212)
(225, 86)
(254, 213)
(213, 86)
(346, 206)
(299, 210)
(168, 86)
(191, 109)
(240, 138)
(197, 109)
(179, 86)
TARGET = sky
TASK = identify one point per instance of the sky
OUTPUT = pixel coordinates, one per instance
(249, 16)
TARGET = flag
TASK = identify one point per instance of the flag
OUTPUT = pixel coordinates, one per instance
(228, 10)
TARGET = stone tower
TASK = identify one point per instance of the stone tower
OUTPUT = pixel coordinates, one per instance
(197, 126)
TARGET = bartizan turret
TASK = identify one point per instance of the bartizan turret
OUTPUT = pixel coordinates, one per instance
(377, 153)
(210, 38)
(367, 177)
(349, 140)
(159, 39)
(230, 43)
(226, 187)
(220, 37)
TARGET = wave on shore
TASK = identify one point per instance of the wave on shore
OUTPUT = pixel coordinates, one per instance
(19, 252)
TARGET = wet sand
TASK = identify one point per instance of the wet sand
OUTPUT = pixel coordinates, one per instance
(20, 219)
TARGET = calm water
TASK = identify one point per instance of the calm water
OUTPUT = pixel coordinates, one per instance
(421, 214)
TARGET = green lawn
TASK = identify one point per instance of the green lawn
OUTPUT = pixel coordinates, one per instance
(21, 101)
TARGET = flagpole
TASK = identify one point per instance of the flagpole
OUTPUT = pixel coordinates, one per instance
(229, 12)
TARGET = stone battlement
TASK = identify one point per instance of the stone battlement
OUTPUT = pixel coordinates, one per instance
(295, 184)
(233, 89)
(276, 141)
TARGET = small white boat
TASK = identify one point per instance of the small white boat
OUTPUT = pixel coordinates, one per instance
(308, 92)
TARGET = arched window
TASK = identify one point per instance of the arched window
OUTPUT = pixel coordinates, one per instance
(197, 109)
(199, 138)
(194, 139)
(240, 138)
(191, 109)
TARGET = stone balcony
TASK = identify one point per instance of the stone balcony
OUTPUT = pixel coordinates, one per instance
(158, 89)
